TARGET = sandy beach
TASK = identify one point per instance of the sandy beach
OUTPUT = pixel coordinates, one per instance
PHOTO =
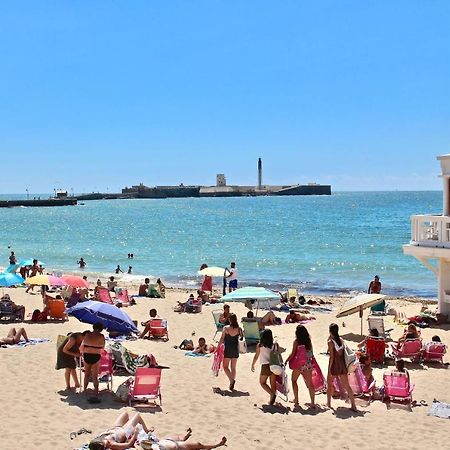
(39, 415)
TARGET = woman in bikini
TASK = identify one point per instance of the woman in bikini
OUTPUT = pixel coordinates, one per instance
(93, 344)
(13, 337)
(125, 431)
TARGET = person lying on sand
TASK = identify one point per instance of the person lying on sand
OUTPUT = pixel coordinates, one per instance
(14, 336)
(268, 319)
(125, 430)
(295, 317)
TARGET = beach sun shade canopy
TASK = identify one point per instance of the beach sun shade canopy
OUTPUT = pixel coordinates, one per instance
(75, 282)
(29, 262)
(46, 280)
(358, 304)
(10, 279)
(111, 317)
(250, 293)
(213, 271)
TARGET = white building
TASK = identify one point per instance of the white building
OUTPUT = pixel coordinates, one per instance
(430, 241)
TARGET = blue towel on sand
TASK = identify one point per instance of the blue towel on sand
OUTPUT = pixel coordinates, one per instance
(439, 409)
(197, 354)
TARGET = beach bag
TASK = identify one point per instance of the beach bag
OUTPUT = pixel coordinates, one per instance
(242, 345)
(276, 361)
(350, 359)
(318, 380)
(299, 359)
(123, 390)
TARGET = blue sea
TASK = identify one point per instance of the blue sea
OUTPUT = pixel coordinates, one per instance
(322, 244)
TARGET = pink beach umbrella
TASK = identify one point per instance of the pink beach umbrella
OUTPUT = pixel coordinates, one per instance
(75, 282)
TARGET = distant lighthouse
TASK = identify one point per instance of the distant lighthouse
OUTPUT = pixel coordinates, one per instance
(259, 174)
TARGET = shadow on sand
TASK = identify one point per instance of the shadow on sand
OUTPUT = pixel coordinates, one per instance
(227, 393)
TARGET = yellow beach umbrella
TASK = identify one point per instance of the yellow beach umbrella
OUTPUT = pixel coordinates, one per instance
(358, 304)
(47, 280)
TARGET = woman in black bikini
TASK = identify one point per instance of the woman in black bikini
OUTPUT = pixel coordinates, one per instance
(93, 344)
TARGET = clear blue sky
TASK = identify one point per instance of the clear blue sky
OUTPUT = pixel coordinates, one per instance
(100, 94)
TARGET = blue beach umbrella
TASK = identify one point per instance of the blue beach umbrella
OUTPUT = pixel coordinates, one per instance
(110, 316)
(10, 279)
(12, 268)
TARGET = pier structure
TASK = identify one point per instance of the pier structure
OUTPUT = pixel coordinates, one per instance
(430, 241)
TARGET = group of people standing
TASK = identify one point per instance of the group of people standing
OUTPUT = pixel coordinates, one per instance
(300, 360)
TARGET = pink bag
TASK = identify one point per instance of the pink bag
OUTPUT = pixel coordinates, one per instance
(300, 358)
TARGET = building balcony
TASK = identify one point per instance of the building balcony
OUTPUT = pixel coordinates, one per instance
(430, 231)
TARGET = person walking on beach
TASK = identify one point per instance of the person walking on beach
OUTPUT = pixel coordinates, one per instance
(337, 366)
(301, 362)
(374, 285)
(230, 338)
(263, 350)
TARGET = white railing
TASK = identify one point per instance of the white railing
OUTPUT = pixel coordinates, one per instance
(430, 231)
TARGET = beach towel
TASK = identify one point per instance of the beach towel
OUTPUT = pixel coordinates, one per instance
(218, 358)
(30, 342)
(197, 354)
(439, 409)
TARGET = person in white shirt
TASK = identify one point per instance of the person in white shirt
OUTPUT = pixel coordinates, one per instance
(233, 278)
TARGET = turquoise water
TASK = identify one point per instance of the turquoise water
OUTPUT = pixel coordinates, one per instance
(320, 243)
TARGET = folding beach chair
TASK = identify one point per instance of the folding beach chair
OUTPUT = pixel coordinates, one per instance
(193, 306)
(103, 295)
(379, 309)
(292, 292)
(434, 352)
(377, 322)
(105, 373)
(122, 297)
(251, 332)
(376, 349)
(358, 383)
(146, 385)
(159, 329)
(216, 316)
(282, 385)
(396, 386)
(218, 359)
(6, 312)
(411, 349)
(56, 308)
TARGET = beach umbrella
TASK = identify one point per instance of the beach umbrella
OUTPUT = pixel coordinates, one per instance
(75, 282)
(259, 294)
(110, 316)
(46, 280)
(10, 279)
(29, 262)
(213, 272)
(12, 268)
(358, 304)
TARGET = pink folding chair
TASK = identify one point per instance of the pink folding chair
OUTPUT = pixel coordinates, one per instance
(358, 383)
(105, 374)
(122, 296)
(411, 349)
(397, 387)
(434, 352)
(146, 385)
(158, 329)
(104, 296)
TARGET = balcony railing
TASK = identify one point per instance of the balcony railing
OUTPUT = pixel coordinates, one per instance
(430, 231)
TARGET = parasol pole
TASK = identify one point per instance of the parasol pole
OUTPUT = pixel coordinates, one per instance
(361, 317)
